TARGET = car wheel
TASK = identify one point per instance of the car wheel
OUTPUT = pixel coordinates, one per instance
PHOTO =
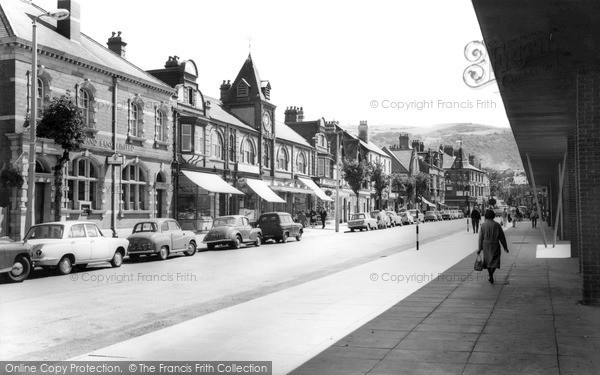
(235, 244)
(20, 269)
(257, 241)
(191, 249)
(368, 227)
(210, 246)
(117, 259)
(65, 266)
(299, 237)
(263, 240)
(134, 257)
(284, 238)
(163, 253)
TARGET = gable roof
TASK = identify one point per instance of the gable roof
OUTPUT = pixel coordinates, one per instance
(462, 162)
(249, 75)
(404, 158)
(15, 24)
(217, 112)
(286, 133)
(369, 146)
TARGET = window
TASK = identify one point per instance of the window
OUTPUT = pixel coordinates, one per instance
(321, 167)
(162, 134)
(82, 181)
(301, 165)
(77, 231)
(217, 145)
(266, 158)
(248, 153)
(83, 102)
(135, 120)
(190, 95)
(242, 89)
(186, 137)
(282, 159)
(232, 147)
(199, 140)
(173, 225)
(134, 184)
(39, 98)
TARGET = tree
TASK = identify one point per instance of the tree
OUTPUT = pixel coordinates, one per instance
(404, 185)
(10, 179)
(380, 181)
(422, 184)
(356, 174)
(62, 122)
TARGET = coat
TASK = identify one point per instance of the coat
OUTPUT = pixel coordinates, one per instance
(475, 215)
(491, 236)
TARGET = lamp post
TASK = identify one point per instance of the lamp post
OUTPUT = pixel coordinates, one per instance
(337, 180)
(58, 14)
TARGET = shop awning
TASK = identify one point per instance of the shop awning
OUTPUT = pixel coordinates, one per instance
(211, 182)
(318, 191)
(427, 202)
(264, 191)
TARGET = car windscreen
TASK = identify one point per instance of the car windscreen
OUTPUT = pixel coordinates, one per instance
(220, 221)
(357, 216)
(49, 231)
(145, 227)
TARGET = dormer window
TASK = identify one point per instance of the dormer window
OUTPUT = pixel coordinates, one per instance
(243, 89)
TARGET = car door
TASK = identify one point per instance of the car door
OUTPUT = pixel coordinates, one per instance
(178, 238)
(80, 244)
(100, 246)
(244, 227)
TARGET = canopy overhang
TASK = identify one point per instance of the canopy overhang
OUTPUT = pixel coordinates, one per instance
(211, 182)
(263, 190)
(317, 190)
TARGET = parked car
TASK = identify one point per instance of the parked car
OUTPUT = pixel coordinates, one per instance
(406, 218)
(64, 244)
(439, 215)
(395, 220)
(232, 231)
(416, 214)
(383, 221)
(446, 215)
(160, 237)
(361, 221)
(15, 259)
(430, 216)
(279, 226)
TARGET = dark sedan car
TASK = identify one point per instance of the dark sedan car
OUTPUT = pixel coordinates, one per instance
(279, 226)
(232, 231)
(15, 259)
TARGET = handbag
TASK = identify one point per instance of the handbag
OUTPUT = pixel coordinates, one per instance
(478, 263)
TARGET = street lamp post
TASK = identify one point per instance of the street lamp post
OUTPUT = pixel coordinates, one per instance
(58, 14)
(337, 180)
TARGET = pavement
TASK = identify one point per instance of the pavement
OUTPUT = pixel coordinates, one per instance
(413, 312)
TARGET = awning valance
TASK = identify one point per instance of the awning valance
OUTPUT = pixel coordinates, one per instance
(263, 190)
(318, 191)
(211, 182)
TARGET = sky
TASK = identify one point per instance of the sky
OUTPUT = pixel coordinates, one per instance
(387, 62)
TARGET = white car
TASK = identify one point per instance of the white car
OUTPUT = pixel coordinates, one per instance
(64, 244)
(407, 218)
(361, 221)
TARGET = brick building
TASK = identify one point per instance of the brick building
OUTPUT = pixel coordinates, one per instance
(123, 171)
(466, 184)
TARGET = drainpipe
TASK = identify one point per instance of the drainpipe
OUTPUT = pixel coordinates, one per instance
(113, 215)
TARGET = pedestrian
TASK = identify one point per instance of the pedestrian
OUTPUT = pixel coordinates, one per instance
(504, 217)
(490, 239)
(534, 217)
(323, 217)
(313, 218)
(302, 218)
(475, 218)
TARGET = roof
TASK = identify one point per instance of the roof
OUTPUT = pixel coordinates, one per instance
(15, 23)
(448, 161)
(286, 133)
(462, 162)
(217, 112)
(404, 157)
(369, 145)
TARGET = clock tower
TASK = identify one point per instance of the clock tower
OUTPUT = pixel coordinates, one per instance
(248, 98)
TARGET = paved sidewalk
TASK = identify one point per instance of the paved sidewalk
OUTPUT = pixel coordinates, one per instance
(528, 322)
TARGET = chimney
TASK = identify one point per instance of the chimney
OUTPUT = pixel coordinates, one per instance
(225, 86)
(472, 159)
(293, 114)
(172, 62)
(70, 28)
(403, 142)
(449, 150)
(116, 44)
(300, 116)
(415, 145)
(363, 131)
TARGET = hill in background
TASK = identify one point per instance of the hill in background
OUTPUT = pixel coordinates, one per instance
(495, 147)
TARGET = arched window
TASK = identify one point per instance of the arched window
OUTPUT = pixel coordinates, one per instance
(161, 126)
(135, 116)
(217, 145)
(83, 102)
(134, 185)
(232, 147)
(282, 159)
(82, 181)
(301, 163)
(266, 158)
(39, 98)
(248, 153)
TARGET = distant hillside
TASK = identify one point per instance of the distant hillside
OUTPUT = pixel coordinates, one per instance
(495, 147)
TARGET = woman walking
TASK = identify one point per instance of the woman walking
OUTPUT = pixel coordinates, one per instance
(491, 236)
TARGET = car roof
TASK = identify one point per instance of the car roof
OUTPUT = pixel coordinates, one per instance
(232, 216)
(66, 223)
(275, 213)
